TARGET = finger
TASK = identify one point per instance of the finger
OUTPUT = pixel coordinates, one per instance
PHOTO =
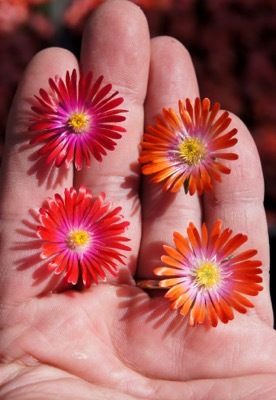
(116, 45)
(26, 182)
(238, 202)
(172, 77)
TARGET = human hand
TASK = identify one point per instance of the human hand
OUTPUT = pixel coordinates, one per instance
(113, 340)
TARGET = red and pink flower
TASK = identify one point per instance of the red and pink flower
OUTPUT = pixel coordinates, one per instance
(82, 236)
(76, 119)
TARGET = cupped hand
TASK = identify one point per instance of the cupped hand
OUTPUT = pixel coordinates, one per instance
(114, 340)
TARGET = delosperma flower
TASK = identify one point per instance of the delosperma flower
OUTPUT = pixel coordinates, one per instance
(76, 119)
(205, 279)
(82, 236)
(186, 150)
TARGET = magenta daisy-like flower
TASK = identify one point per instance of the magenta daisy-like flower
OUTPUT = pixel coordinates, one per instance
(205, 279)
(186, 149)
(76, 119)
(82, 236)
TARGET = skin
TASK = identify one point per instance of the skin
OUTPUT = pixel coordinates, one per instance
(114, 340)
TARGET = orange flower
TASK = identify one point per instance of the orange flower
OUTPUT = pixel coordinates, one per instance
(186, 150)
(205, 279)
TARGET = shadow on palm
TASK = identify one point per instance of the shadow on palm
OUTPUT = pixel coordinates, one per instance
(110, 328)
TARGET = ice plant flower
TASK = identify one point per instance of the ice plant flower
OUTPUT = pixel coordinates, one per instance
(205, 279)
(76, 119)
(82, 236)
(186, 149)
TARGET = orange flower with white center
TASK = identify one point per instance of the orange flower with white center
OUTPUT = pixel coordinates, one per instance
(186, 149)
(205, 279)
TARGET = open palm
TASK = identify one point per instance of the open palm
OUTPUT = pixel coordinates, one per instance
(113, 340)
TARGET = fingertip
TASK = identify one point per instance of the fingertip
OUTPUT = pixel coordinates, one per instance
(162, 44)
(116, 40)
(245, 182)
(172, 75)
(46, 64)
(120, 13)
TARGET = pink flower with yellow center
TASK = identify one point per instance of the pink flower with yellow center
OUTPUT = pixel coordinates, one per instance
(82, 236)
(76, 119)
(205, 279)
(187, 149)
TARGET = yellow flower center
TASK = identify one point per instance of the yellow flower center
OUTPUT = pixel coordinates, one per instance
(78, 240)
(207, 275)
(78, 122)
(191, 150)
